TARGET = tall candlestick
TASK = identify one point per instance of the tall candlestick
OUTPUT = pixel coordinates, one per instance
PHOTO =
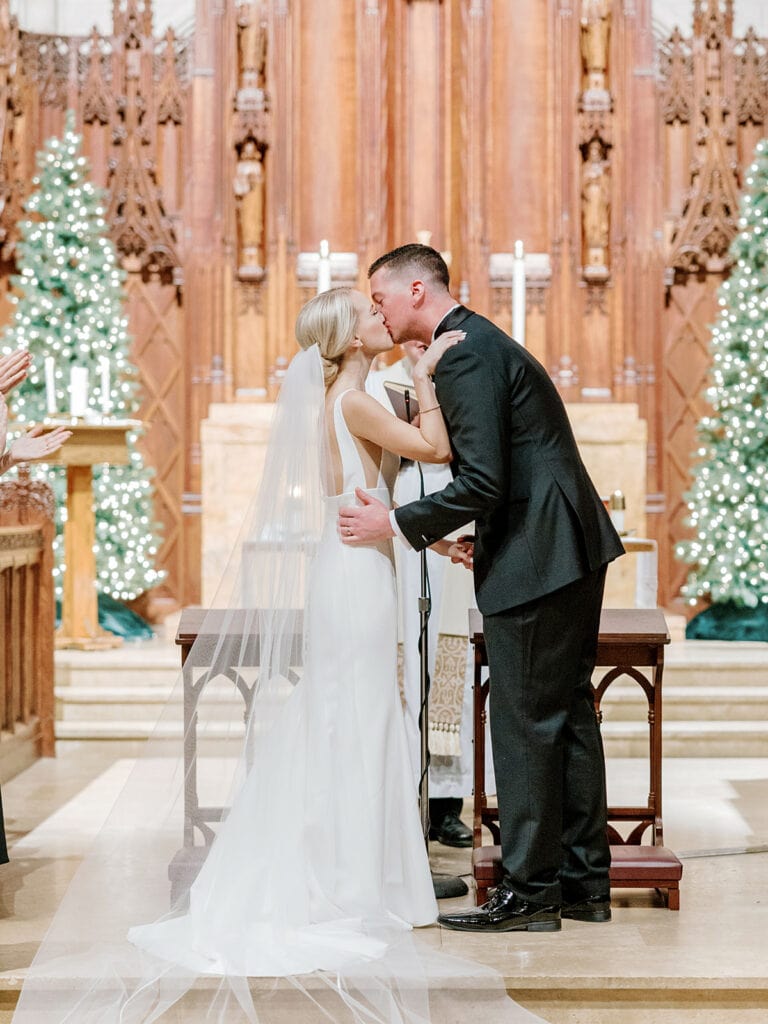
(78, 391)
(518, 294)
(106, 397)
(324, 267)
(50, 386)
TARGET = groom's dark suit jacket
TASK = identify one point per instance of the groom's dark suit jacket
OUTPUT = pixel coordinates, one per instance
(539, 523)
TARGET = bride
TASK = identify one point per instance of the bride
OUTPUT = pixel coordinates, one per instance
(318, 873)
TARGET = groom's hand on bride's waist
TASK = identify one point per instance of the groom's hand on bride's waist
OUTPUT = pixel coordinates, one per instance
(365, 523)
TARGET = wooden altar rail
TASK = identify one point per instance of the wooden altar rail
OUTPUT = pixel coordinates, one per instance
(26, 625)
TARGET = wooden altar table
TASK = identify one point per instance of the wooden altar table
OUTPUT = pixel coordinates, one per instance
(629, 639)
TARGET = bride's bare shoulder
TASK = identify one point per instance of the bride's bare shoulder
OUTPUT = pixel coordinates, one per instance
(360, 403)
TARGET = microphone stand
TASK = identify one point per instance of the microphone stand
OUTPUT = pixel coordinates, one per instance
(445, 886)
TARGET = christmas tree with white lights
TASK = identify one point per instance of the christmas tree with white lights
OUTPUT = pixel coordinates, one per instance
(69, 314)
(728, 500)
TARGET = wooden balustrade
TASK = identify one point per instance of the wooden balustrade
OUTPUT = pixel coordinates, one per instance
(27, 623)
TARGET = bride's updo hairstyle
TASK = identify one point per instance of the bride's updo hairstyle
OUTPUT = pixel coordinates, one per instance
(329, 320)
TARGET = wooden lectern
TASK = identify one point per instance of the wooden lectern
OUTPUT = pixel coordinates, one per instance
(90, 444)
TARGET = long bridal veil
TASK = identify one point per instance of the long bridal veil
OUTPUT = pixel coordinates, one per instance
(155, 868)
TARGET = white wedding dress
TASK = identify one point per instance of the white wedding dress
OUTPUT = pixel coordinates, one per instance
(323, 844)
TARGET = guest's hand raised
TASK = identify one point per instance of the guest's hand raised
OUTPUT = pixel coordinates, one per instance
(13, 369)
(428, 362)
(36, 445)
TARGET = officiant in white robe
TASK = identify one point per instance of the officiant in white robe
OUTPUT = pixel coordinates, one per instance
(450, 725)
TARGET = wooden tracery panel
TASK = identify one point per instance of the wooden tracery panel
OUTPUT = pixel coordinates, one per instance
(686, 361)
(713, 105)
(156, 319)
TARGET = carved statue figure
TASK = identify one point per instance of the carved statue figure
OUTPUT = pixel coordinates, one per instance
(595, 204)
(249, 188)
(595, 32)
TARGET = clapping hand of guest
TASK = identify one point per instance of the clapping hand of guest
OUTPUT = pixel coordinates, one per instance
(36, 445)
(13, 369)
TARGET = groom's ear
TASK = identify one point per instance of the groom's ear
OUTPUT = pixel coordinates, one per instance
(417, 292)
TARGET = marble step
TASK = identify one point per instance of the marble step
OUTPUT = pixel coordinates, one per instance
(141, 703)
(154, 663)
(621, 739)
(623, 702)
(688, 739)
(141, 729)
(702, 663)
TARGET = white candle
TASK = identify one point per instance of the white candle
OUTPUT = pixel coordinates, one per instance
(518, 294)
(106, 396)
(324, 268)
(78, 391)
(50, 386)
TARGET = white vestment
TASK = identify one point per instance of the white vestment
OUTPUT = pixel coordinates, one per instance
(452, 594)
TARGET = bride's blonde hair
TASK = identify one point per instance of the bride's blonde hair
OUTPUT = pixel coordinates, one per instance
(329, 320)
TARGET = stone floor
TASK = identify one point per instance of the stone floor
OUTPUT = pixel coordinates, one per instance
(706, 964)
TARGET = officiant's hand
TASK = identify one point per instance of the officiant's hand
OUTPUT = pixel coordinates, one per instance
(366, 523)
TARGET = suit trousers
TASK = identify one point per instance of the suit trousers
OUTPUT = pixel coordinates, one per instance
(547, 749)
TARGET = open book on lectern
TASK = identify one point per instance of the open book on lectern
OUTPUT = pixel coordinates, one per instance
(403, 399)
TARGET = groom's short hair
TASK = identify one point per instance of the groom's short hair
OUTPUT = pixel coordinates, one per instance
(422, 258)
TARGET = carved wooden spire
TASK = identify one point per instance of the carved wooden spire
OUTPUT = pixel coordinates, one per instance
(713, 21)
(170, 101)
(96, 98)
(709, 219)
(142, 232)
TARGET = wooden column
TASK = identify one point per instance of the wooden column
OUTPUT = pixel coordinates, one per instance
(205, 281)
(472, 151)
(326, 193)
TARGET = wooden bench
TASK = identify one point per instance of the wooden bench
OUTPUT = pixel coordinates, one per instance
(27, 509)
(629, 639)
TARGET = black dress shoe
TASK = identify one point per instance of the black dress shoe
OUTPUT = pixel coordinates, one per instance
(452, 832)
(593, 908)
(505, 911)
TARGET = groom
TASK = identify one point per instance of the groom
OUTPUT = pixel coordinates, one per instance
(543, 541)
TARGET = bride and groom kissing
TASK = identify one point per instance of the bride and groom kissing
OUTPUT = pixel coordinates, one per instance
(320, 864)
(542, 543)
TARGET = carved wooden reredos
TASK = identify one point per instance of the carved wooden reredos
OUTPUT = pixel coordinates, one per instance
(228, 155)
